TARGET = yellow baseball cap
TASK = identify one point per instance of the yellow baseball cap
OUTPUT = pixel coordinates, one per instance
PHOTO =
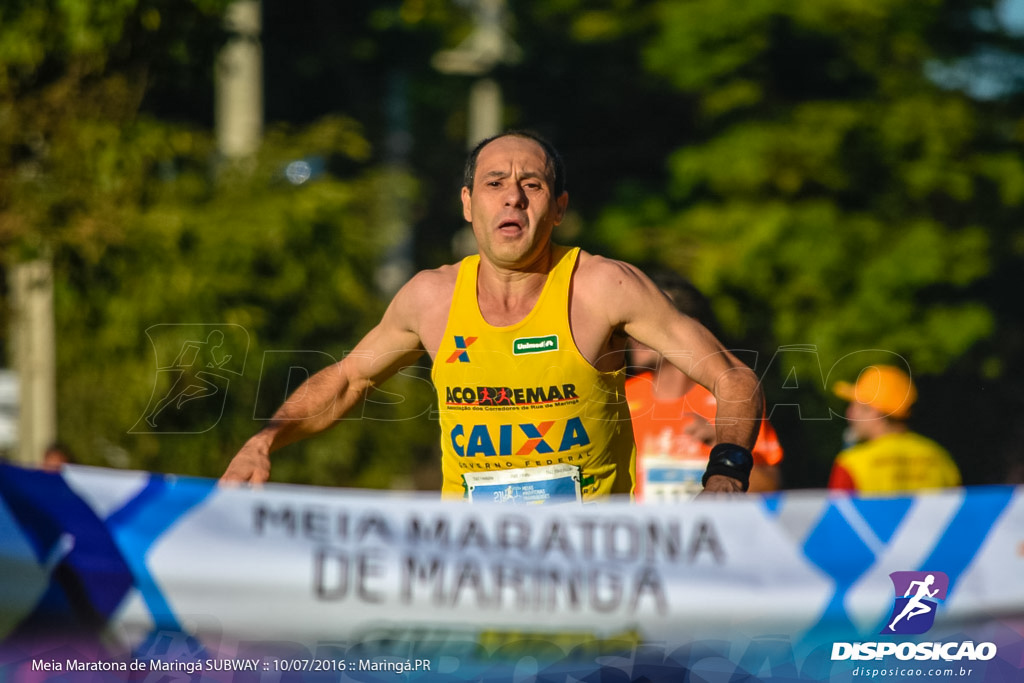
(885, 388)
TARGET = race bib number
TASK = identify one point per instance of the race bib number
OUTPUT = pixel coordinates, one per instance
(671, 480)
(545, 485)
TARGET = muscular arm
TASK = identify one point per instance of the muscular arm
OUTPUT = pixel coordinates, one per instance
(331, 393)
(634, 305)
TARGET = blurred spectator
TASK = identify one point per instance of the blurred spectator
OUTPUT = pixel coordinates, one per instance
(885, 455)
(673, 416)
(56, 456)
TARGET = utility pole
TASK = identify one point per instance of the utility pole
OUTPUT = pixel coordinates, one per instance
(34, 357)
(487, 46)
(395, 207)
(239, 82)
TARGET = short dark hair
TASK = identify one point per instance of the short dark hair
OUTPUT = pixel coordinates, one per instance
(554, 159)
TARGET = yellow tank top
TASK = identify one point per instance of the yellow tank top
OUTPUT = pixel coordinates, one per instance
(523, 396)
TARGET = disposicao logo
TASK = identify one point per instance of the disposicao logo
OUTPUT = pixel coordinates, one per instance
(918, 594)
(535, 344)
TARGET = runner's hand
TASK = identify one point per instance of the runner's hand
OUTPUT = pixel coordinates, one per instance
(719, 483)
(250, 465)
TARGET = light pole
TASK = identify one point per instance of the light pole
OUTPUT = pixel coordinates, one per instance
(487, 46)
(34, 357)
(239, 82)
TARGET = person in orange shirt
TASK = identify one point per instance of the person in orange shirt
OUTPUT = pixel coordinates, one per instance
(887, 457)
(673, 416)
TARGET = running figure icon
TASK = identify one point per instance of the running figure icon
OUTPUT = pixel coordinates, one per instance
(195, 366)
(915, 606)
(190, 369)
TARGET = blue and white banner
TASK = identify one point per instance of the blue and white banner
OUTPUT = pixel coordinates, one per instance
(111, 575)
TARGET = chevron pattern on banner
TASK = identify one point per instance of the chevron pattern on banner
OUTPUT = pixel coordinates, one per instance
(853, 533)
(93, 562)
(162, 568)
(88, 576)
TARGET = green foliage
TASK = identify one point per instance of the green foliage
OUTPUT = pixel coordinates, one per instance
(151, 234)
(802, 162)
(72, 76)
(289, 266)
(832, 196)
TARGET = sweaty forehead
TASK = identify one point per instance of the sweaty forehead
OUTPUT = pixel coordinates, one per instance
(512, 154)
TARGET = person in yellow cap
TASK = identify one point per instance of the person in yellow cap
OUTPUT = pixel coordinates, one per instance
(887, 456)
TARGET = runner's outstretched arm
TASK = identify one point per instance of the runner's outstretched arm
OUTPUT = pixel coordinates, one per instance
(331, 393)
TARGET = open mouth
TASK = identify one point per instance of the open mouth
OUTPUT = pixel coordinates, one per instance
(510, 224)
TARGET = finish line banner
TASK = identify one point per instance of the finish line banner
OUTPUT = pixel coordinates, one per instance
(113, 575)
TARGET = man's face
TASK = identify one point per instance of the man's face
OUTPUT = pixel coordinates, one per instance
(862, 420)
(512, 207)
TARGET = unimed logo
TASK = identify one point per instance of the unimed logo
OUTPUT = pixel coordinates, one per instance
(918, 594)
(535, 344)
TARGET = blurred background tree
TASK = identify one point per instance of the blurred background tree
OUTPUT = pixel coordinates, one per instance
(841, 177)
(111, 170)
(844, 178)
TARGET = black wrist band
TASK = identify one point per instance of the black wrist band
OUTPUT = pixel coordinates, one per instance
(730, 460)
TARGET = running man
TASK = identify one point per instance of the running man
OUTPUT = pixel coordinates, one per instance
(914, 606)
(547, 322)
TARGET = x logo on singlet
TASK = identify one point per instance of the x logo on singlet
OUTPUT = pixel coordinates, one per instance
(461, 344)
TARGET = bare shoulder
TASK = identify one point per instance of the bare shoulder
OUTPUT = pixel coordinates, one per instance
(595, 269)
(606, 296)
(610, 284)
(422, 304)
(429, 288)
